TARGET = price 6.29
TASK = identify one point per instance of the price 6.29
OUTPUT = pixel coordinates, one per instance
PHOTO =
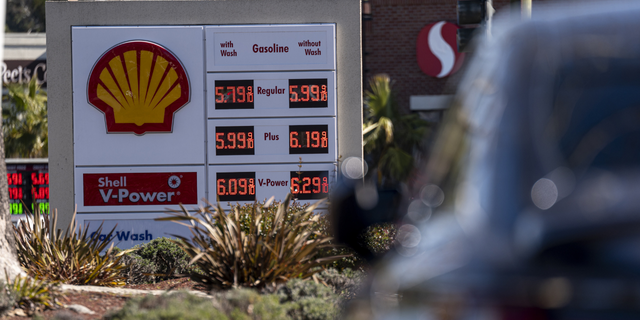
(308, 185)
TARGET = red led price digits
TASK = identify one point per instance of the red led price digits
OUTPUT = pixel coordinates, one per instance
(28, 187)
(310, 184)
(236, 186)
(39, 178)
(40, 193)
(15, 193)
(308, 93)
(234, 141)
(233, 94)
(308, 139)
(313, 139)
(14, 178)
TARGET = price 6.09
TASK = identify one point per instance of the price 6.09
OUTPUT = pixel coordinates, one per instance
(236, 186)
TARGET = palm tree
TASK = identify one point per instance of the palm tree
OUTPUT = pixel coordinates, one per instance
(25, 125)
(390, 138)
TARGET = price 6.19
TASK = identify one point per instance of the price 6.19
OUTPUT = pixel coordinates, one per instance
(308, 139)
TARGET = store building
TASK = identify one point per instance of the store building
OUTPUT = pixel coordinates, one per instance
(24, 57)
(390, 33)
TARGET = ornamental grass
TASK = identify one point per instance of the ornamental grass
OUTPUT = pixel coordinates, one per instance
(72, 257)
(32, 294)
(260, 245)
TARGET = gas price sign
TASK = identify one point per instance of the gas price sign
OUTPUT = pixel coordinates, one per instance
(248, 183)
(28, 186)
(285, 94)
(272, 140)
(272, 104)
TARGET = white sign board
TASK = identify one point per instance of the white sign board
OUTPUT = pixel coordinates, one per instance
(271, 94)
(271, 48)
(98, 140)
(131, 229)
(247, 183)
(165, 116)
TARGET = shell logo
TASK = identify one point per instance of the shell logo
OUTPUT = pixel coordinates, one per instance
(437, 51)
(138, 85)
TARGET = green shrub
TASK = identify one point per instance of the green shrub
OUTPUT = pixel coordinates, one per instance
(156, 260)
(71, 257)
(174, 306)
(253, 246)
(297, 300)
(378, 238)
(345, 283)
(249, 304)
(235, 304)
(168, 256)
(138, 270)
(308, 300)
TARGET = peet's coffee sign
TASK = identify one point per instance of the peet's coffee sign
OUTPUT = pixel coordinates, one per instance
(21, 71)
(130, 189)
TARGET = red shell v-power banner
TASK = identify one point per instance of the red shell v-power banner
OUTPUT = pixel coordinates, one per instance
(437, 50)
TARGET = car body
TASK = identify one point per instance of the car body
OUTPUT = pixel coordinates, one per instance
(530, 201)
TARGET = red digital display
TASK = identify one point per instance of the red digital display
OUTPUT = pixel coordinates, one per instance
(309, 185)
(308, 139)
(15, 178)
(234, 94)
(15, 193)
(236, 186)
(28, 187)
(40, 193)
(39, 178)
(234, 140)
(308, 93)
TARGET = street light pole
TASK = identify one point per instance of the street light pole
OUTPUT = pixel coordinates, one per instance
(525, 7)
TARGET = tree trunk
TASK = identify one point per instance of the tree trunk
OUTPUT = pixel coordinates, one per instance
(8, 257)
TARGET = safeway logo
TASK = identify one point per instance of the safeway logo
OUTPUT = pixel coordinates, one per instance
(134, 189)
(437, 50)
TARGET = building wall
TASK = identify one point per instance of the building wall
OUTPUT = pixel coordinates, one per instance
(390, 45)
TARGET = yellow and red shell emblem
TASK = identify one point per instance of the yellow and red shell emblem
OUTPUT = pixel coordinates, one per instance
(138, 85)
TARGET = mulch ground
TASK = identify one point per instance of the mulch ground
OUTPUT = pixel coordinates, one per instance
(102, 303)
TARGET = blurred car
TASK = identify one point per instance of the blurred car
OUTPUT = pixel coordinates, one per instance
(529, 206)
